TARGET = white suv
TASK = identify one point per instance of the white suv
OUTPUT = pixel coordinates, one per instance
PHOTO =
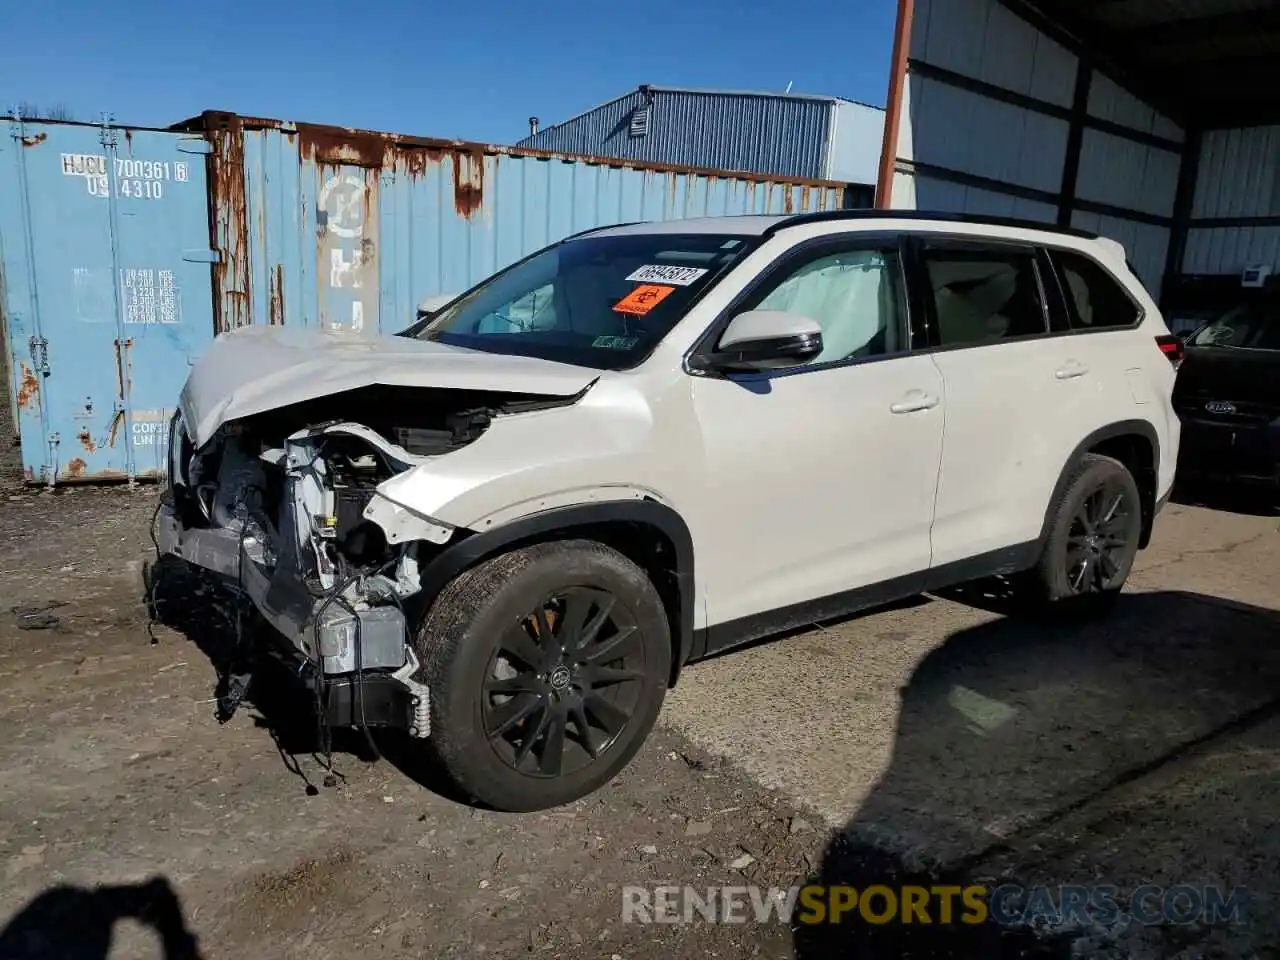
(503, 531)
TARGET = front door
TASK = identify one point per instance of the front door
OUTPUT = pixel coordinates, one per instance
(820, 479)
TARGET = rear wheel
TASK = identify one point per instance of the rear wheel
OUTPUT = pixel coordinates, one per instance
(547, 668)
(1093, 538)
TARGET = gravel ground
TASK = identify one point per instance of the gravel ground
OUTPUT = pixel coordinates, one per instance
(938, 741)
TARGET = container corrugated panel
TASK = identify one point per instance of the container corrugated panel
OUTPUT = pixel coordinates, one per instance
(352, 229)
(1110, 101)
(771, 135)
(1228, 250)
(105, 292)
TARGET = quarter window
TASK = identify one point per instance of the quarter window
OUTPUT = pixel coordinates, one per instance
(1095, 300)
(984, 296)
(853, 296)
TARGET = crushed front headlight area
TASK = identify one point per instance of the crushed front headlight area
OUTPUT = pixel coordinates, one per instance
(288, 526)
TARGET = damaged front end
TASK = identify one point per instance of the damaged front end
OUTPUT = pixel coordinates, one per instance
(284, 507)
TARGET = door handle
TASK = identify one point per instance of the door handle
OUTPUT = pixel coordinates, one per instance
(1071, 370)
(914, 401)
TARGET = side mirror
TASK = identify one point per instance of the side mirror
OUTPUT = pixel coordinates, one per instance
(763, 340)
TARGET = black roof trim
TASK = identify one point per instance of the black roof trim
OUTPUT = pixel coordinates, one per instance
(929, 216)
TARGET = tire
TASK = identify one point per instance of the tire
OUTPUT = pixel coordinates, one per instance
(498, 714)
(1087, 557)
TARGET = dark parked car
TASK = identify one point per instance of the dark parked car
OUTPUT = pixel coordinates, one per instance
(1228, 396)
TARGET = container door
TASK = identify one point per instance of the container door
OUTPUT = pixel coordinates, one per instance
(117, 299)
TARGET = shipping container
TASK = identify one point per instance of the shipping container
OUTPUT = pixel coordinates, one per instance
(124, 250)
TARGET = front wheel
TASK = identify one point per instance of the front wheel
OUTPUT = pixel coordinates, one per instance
(547, 667)
(1093, 538)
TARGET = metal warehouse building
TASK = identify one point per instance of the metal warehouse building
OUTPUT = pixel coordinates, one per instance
(1156, 122)
(778, 134)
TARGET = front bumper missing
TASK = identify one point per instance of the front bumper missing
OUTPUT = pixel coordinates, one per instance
(316, 631)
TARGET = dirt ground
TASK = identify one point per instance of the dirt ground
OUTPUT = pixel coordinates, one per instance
(938, 741)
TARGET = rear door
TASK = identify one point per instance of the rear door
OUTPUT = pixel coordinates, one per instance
(1016, 399)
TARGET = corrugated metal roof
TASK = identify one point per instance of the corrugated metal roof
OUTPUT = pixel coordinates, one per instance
(781, 134)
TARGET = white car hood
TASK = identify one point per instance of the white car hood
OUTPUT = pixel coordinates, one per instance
(255, 369)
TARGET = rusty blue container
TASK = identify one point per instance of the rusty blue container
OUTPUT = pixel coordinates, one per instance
(124, 251)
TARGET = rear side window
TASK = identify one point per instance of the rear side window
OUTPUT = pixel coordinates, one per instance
(984, 295)
(1095, 299)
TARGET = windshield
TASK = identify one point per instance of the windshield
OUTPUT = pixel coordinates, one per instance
(602, 302)
(1251, 326)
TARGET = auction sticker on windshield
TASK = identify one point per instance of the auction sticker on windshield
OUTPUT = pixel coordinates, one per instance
(643, 299)
(666, 273)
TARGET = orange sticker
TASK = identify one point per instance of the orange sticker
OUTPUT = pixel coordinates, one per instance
(643, 299)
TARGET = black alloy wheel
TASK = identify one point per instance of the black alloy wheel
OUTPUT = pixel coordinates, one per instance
(562, 685)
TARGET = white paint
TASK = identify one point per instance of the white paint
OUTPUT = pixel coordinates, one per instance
(344, 272)
(136, 178)
(357, 315)
(342, 199)
(150, 296)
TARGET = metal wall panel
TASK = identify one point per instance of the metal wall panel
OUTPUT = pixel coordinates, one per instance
(351, 229)
(1239, 174)
(1110, 101)
(1228, 250)
(105, 294)
(919, 192)
(1123, 173)
(984, 40)
(967, 132)
(714, 130)
(1145, 244)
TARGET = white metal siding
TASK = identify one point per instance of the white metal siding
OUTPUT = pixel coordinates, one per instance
(966, 134)
(1124, 173)
(1239, 177)
(986, 41)
(1110, 101)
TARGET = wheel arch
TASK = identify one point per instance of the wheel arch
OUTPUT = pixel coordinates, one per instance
(1136, 444)
(649, 533)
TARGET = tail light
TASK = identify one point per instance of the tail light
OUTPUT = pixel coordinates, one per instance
(1173, 348)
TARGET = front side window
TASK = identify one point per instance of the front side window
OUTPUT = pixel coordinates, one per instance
(984, 295)
(601, 302)
(1095, 299)
(853, 296)
(1254, 325)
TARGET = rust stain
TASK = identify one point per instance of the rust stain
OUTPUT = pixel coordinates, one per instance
(29, 390)
(124, 369)
(788, 203)
(337, 145)
(35, 140)
(468, 183)
(277, 295)
(128, 139)
(228, 221)
(30, 474)
(76, 468)
(804, 198)
(114, 431)
(86, 441)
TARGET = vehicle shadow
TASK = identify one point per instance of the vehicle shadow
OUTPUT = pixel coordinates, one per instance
(225, 629)
(185, 599)
(1139, 749)
(1227, 498)
(76, 923)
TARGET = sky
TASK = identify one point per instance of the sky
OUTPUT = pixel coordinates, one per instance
(451, 70)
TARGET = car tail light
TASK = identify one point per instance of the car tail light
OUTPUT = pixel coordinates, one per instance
(1173, 348)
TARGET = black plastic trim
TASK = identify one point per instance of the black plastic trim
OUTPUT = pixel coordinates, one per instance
(1123, 428)
(735, 633)
(561, 522)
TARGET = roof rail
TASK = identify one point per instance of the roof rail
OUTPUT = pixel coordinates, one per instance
(931, 216)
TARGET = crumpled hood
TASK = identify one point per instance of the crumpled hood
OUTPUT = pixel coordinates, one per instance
(255, 369)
